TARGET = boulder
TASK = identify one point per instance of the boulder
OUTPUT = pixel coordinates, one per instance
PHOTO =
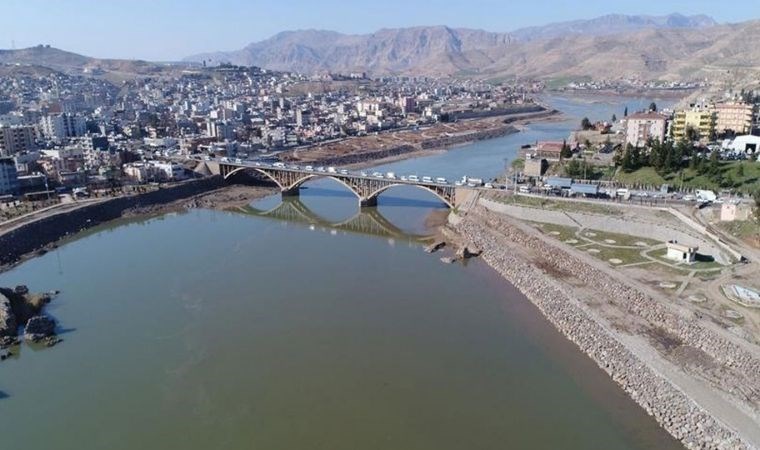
(39, 328)
(8, 325)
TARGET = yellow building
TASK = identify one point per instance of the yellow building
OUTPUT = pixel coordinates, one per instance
(736, 117)
(701, 121)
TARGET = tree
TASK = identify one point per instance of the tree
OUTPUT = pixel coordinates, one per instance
(756, 196)
(614, 118)
(575, 168)
(625, 112)
(586, 124)
(692, 134)
(565, 152)
(653, 107)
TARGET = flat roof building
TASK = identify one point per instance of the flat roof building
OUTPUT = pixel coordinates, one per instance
(16, 139)
(681, 253)
(733, 117)
(641, 127)
(703, 122)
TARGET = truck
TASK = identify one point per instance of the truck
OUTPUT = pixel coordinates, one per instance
(706, 196)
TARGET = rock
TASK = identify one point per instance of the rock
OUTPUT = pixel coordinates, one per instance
(8, 325)
(468, 251)
(39, 328)
(21, 289)
(435, 246)
(8, 341)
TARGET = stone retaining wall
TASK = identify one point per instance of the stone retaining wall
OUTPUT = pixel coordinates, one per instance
(675, 411)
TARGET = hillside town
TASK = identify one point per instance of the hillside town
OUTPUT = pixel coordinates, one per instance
(59, 132)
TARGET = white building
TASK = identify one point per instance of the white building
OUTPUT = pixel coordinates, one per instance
(62, 126)
(681, 253)
(222, 131)
(641, 127)
(744, 144)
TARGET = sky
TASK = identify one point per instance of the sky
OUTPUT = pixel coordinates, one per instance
(165, 30)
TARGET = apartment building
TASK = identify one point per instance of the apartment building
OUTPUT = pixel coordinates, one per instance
(733, 117)
(16, 139)
(641, 127)
(702, 121)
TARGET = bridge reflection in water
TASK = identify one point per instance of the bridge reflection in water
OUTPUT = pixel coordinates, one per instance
(365, 221)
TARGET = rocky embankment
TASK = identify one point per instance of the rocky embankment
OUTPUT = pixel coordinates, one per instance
(19, 307)
(539, 279)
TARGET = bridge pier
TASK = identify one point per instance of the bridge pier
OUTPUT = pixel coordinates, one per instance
(368, 202)
(293, 192)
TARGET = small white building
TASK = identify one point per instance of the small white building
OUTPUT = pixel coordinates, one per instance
(681, 253)
(748, 144)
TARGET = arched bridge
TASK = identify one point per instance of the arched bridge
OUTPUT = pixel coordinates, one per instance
(366, 188)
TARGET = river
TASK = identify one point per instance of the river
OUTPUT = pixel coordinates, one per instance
(304, 326)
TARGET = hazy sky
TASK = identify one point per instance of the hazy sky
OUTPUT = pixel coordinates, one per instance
(172, 29)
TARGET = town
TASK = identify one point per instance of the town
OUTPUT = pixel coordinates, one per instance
(67, 135)
(242, 223)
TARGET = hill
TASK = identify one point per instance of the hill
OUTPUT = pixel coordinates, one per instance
(73, 63)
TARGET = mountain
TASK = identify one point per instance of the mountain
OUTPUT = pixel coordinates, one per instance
(719, 52)
(612, 24)
(670, 48)
(401, 50)
(427, 50)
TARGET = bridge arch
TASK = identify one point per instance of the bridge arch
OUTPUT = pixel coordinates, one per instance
(447, 201)
(255, 169)
(311, 176)
(298, 182)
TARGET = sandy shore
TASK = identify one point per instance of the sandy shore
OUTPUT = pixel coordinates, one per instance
(639, 341)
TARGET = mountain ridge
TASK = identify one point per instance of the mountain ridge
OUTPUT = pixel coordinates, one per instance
(672, 48)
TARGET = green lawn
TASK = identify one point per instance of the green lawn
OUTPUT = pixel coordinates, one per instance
(565, 233)
(626, 255)
(620, 239)
(557, 205)
(746, 182)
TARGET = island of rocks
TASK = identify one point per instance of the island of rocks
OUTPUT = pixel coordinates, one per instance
(20, 308)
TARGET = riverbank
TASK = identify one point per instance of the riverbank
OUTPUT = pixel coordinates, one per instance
(400, 145)
(641, 343)
(38, 236)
